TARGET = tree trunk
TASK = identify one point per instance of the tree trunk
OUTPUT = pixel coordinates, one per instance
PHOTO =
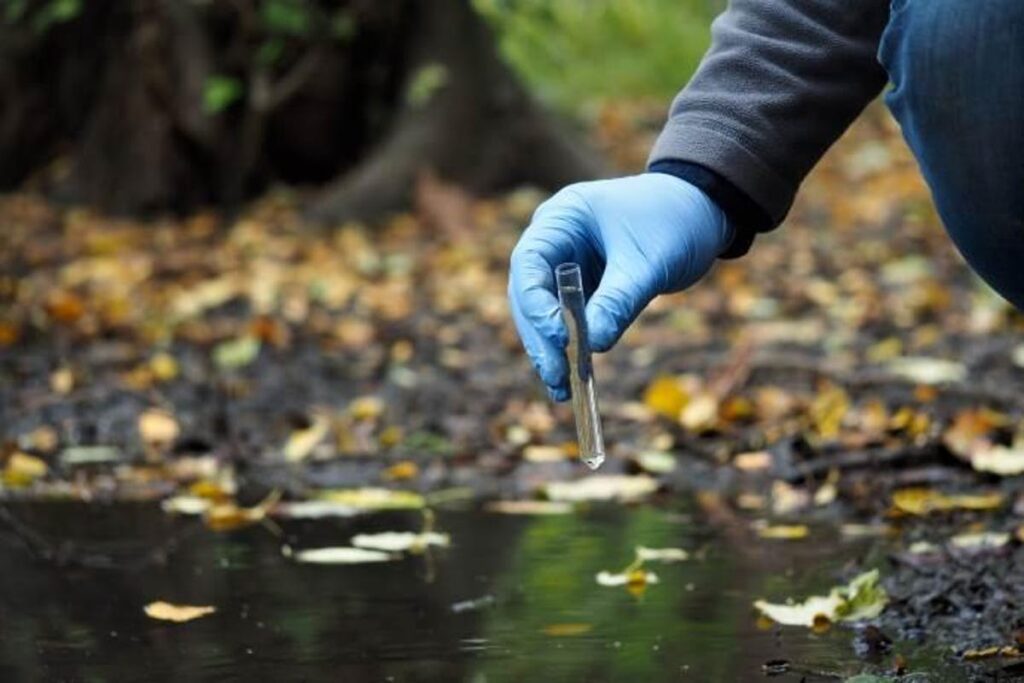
(112, 107)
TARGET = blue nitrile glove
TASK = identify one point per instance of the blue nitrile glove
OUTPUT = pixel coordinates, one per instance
(634, 238)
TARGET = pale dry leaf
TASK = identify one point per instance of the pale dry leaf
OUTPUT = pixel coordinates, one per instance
(166, 611)
(638, 576)
(401, 541)
(314, 509)
(301, 442)
(370, 498)
(529, 507)
(338, 555)
(645, 554)
(603, 487)
(158, 427)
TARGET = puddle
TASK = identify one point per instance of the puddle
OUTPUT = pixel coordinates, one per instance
(513, 599)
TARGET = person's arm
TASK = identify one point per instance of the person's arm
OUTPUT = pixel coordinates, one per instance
(782, 80)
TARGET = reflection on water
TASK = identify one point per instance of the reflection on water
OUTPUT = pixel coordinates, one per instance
(526, 606)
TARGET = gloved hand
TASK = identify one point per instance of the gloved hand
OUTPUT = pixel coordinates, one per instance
(634, 238)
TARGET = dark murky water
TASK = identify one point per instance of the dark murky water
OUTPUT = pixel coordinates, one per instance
(282, 621)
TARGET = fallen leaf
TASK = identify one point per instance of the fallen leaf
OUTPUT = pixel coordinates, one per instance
(1001, 460)
(89, 455)
(338, 555)
(666, 396)
(927, 370)
(157, 428)
(62, 380)
(529, 507)
(228, 516)
(566, 630)
(236, 353)
(21, 469)
(862, 598)
(605, 487)
(402, 471)
(633, 577)
(984, 540)
(165, 611)
(656, 462)
(186, 505)
(970, 428)
(700, 414)
(366, 408)
(314, 509)
(784, 532)
(753, 461)
(989, 652)
(545, 453)
(661, 554)
(400, 541)
(301, 442)
(920, 501)
(370, 498)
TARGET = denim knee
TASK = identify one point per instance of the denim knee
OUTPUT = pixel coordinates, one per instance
(957, 74)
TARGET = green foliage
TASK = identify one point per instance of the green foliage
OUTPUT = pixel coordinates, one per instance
(427, 80)
(42, 18)
(285, 17)
(578, 52)
(220, 92)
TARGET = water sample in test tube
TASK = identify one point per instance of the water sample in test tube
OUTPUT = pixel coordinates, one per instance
(581, 371)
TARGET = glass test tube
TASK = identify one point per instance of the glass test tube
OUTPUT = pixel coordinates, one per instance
(581, 373)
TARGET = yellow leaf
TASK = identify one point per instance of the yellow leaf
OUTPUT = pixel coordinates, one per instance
(301, 442)
(165, 611)
(402, 471)
(545, 453)
(785, 532)
(828, 410)
(366, 408)
(22, 469)
(163, 366)
(984, 540)
(666, 396)
(920, 501)
(228, 516)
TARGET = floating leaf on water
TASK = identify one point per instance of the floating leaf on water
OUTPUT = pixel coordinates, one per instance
(529, 507)
(927, 370)
(166, 611)
(314, 509)
(236, 353)
(400, 541)
(566, 630)
(632, 577)
(921, 501)
(228, 516)
(301, 442)
(473, 605)
(370, 498)
(186, 505)
(661, 554)
(603, 487)
(22, 469)
(862, 598)
(338, 555)
(784, 532)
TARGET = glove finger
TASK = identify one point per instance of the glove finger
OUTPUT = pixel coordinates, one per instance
(532, 282)
(618, 300)
(548, 360)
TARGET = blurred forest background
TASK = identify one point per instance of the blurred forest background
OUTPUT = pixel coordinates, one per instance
(150, 106)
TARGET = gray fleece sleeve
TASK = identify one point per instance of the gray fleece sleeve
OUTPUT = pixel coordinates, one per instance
(782, 80)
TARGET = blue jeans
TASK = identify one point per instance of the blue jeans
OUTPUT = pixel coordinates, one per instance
(957, 69)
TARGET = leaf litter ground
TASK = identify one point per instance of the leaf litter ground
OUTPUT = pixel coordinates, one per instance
(850, 370)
